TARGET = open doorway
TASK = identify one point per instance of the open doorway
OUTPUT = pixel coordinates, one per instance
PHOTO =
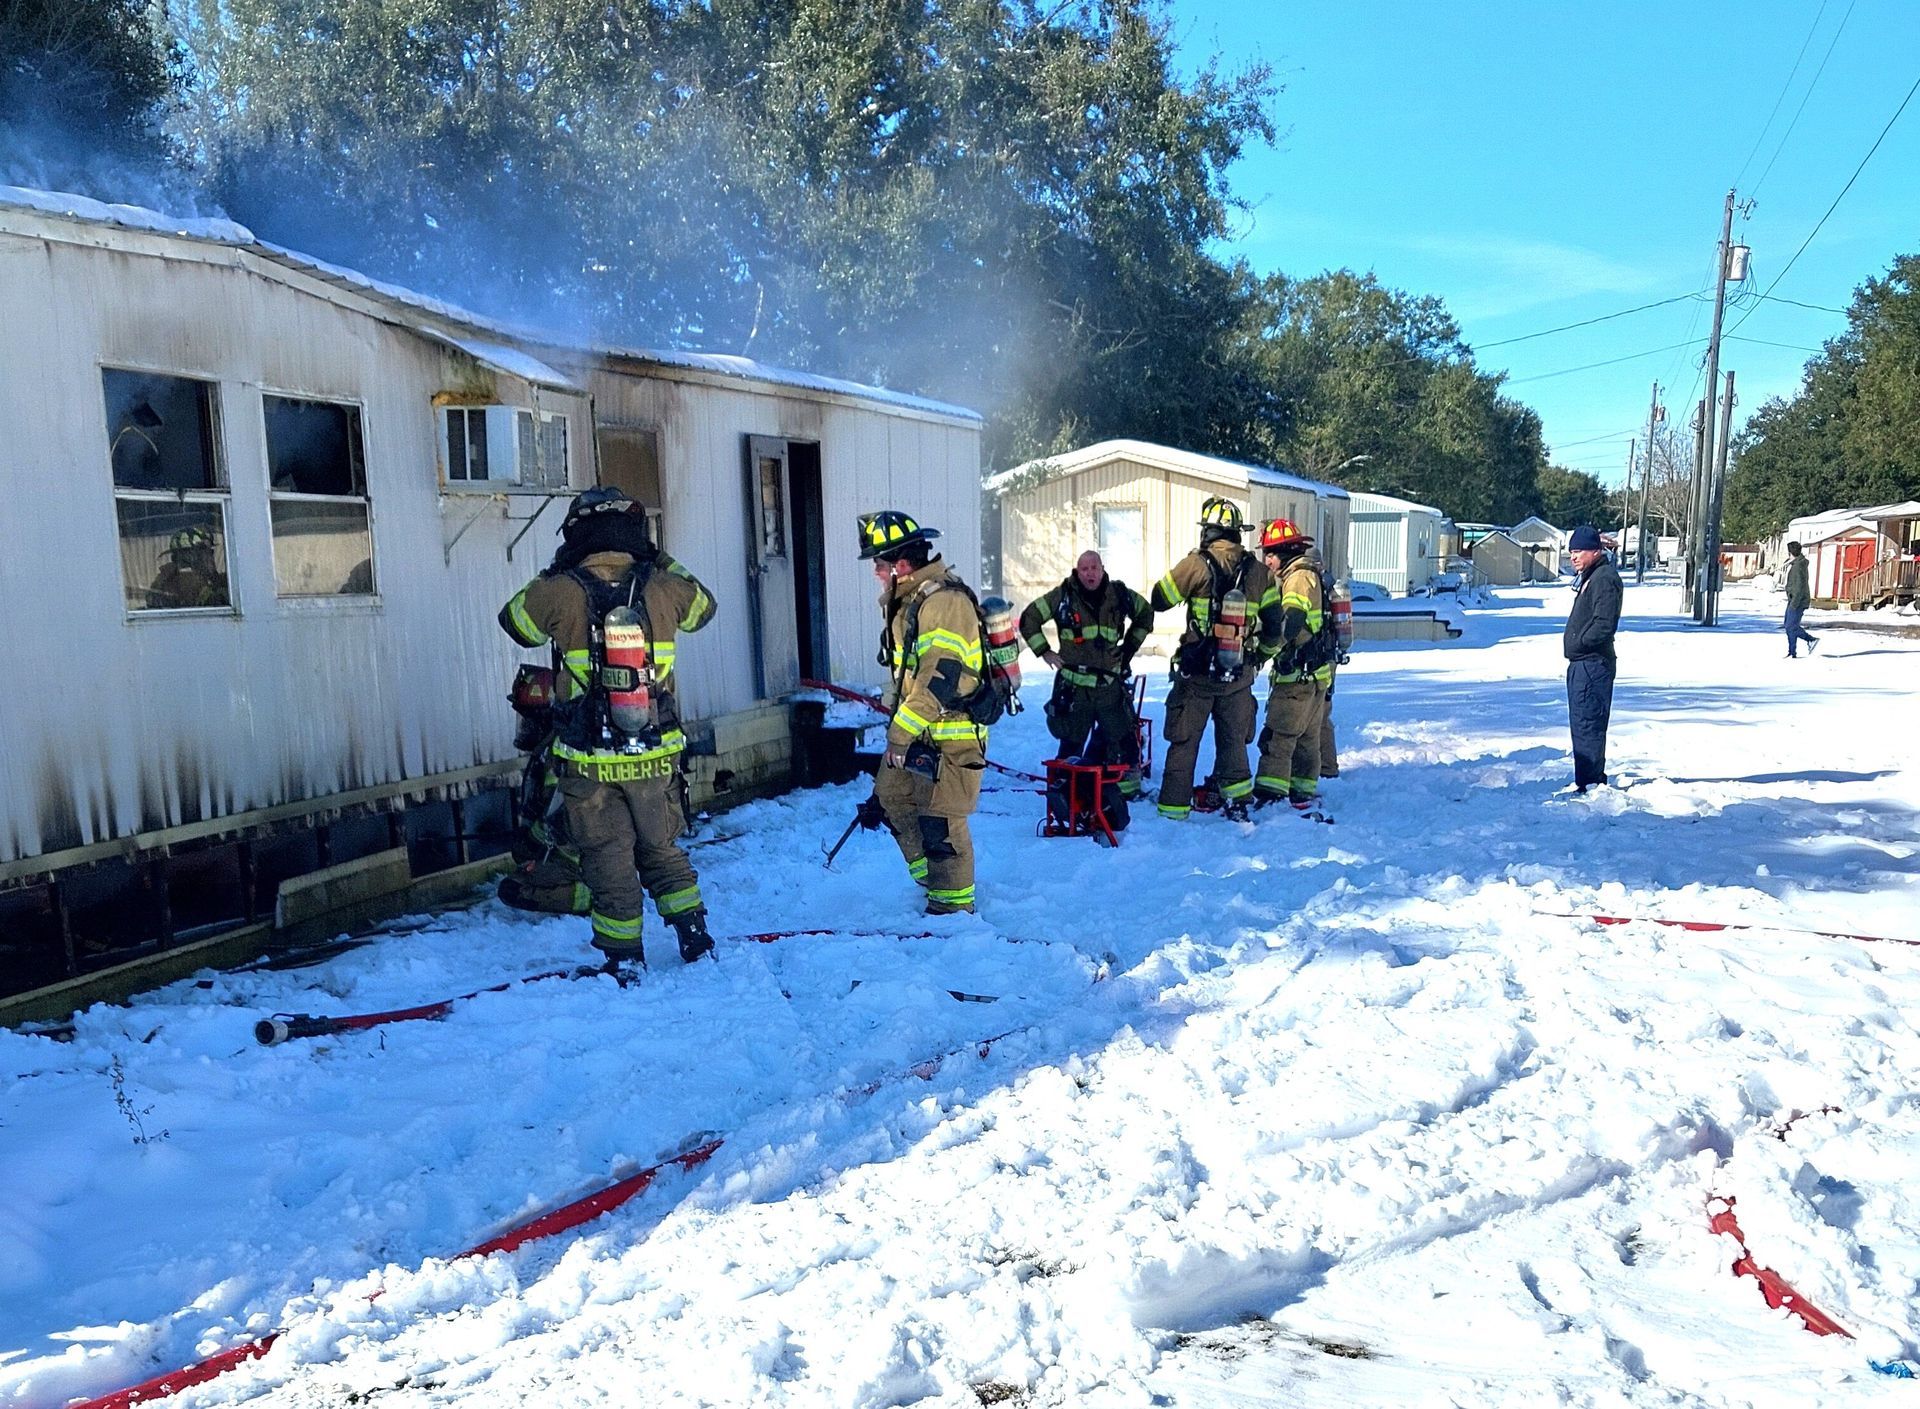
(809, 559)
(786, 568)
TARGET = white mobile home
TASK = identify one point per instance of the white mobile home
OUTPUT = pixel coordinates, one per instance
(1395, 542)
(264, 511)
(1139, 505)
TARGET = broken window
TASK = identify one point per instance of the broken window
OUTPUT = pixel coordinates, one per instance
(170, 496)
(499, 446)
(322, 520)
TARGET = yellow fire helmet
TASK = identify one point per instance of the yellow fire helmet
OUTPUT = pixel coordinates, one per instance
(1222, 514)
(886, 531)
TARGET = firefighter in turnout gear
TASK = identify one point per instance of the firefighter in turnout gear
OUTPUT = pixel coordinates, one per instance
(928, 784)
(612, 605)
(1101, 623)
(1233, 620)
(1302, 670)
(190, 576)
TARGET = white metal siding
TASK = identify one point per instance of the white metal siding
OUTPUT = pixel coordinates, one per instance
(127, 725)
(1378, 544)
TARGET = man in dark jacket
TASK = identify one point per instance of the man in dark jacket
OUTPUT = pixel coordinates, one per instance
(1799, 598)
(1588, 646)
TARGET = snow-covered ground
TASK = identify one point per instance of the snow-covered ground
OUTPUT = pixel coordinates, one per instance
(1289, 1113)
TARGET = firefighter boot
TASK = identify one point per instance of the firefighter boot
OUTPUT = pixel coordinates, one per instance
(691, 928)
(627, 967)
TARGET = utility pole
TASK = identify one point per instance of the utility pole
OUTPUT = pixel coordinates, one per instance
(1646, 488)
(1711, 616)
(1626, 494)
(1702, 563)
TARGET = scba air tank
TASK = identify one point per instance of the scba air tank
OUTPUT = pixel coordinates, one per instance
(628, 675)
(1341, 602)
(1003, 640)
(1230, 634)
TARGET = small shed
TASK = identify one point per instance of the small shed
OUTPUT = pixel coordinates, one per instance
(264, 511)
(1839, 545)
(1498, 561)
(1546, 544)
(1739, 561)
(1395, 542)
(1138, 504)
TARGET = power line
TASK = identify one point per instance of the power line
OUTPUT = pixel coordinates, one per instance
(1803, 102)
(1609, 362)
(1793, 346)
(1783, 91)
(1816, 307)
(1835, 206)
(1592, 439)
(1585, 322)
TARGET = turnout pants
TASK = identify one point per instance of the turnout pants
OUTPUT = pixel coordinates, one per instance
(628, 835)
(929, 824)
(1190, 705)
(1290, 742)
(1075, 709)
(1589, 706)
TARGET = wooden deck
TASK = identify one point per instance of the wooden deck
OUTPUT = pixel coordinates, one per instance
(1888, 583)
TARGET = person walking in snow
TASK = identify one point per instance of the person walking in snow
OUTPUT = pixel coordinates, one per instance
(1302, 670)
(1233, 621)
(928, 784)
(1587, 644)
(618, 760)
(1101, 623)
(1799, 598)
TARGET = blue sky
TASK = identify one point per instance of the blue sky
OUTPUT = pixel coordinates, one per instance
(1537, 164)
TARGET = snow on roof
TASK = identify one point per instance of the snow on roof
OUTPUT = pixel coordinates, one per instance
(218, 230)
(1231, 473)
(746, 368)
(1829, 523)
(510, 360)
(1365, 503)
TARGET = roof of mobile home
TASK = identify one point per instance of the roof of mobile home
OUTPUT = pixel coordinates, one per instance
(1366, 502)
(485, 346)
(1231, 473)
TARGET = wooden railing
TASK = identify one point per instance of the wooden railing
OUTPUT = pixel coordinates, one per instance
(1889, 577)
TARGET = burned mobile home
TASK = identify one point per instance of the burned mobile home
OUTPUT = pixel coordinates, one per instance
(262, 512)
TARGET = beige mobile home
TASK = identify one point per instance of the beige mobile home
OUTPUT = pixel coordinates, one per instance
(1139, 505)
(263, 512)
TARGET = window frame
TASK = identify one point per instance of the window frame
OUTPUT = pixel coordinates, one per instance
(218, 495)
(312, 601)
(491, 485)
(1127, 506)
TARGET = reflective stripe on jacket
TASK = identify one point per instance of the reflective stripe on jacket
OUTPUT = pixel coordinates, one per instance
(1302, 614)
(1100, 633)
(554, 609)
(941, 665)
(1189, 584)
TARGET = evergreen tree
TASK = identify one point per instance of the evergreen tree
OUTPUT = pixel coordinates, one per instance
(83, 85)
(1851, 436)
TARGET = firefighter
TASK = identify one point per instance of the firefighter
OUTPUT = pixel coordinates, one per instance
(1233, 612)
(1302, 670)
(1329, 749)
(928, 784)
(190, 576)
(617, 758)
(1101, 623)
